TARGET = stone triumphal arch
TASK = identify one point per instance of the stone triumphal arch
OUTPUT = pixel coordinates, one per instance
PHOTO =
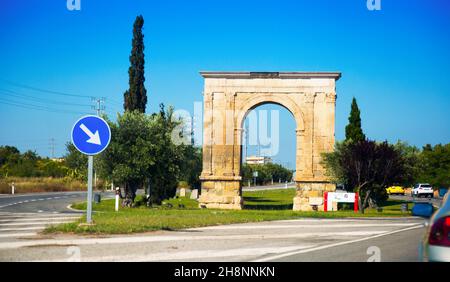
(229, 96)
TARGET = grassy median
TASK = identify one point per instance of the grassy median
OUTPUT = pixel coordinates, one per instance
(181, 213)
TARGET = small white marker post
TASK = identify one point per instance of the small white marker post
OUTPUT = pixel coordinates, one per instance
(117, 199)
(12, 188)
(285, 185)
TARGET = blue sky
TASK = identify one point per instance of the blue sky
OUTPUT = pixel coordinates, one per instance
(395, 61)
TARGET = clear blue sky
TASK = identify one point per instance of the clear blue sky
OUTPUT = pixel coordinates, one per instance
(395, 61)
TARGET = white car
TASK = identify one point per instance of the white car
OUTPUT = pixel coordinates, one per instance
(436, 243)
(422, 189)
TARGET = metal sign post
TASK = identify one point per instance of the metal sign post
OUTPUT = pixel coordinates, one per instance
(89, 194)
(90, 135)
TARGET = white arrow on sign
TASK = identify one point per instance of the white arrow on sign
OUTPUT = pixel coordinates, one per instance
(94, 138)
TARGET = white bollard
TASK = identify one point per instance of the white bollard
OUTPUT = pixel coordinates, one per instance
(117, 199)
(12, 188)
(285, 185)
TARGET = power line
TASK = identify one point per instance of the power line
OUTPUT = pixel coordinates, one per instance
(43, 90)
(37, 99)
(35, 107)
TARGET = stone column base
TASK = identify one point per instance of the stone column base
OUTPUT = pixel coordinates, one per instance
(219, 194)
(309, 195)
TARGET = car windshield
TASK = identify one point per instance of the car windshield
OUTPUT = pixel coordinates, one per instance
(425, 186)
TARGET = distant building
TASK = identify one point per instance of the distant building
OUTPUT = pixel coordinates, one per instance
(258, 160)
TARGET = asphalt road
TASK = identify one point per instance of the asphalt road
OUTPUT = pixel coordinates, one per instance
(290, 240)
(55, 202)
(22, 217)
(435, 201)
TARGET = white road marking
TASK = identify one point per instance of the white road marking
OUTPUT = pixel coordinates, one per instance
(209, 254)
(334, 245)
(166, 238)
(40, 219)
(21, 228)
(274, 226)
(15, 235)
(34, 223)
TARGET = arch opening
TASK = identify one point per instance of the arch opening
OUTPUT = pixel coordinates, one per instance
(268, 146)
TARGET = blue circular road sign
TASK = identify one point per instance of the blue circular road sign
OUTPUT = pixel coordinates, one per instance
(91, 135)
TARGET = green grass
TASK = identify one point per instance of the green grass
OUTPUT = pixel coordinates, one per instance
(184, 213)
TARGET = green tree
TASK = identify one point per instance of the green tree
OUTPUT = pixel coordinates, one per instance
(366, 167)
(434, 165)
(266, 173)
(76, 162)
(353, 131)
(8, 155)
(411, 156)
(135, 98)
(191, 165)
(141, 153)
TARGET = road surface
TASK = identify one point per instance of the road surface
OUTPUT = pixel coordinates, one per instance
(22, 217)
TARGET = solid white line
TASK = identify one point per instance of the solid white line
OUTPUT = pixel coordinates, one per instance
(273, 226)
(334, 245)
(185, 255)
(39, 218)
(20, 229)
(166, 238)
(14, 235)
(34, 223)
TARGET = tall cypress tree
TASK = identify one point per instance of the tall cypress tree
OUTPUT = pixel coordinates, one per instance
(353, 131)
(135, 98)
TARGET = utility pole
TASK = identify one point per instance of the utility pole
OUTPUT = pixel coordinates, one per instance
(52, 147)
(99, 105)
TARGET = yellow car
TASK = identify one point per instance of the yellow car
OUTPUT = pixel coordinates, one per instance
(395, 190)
